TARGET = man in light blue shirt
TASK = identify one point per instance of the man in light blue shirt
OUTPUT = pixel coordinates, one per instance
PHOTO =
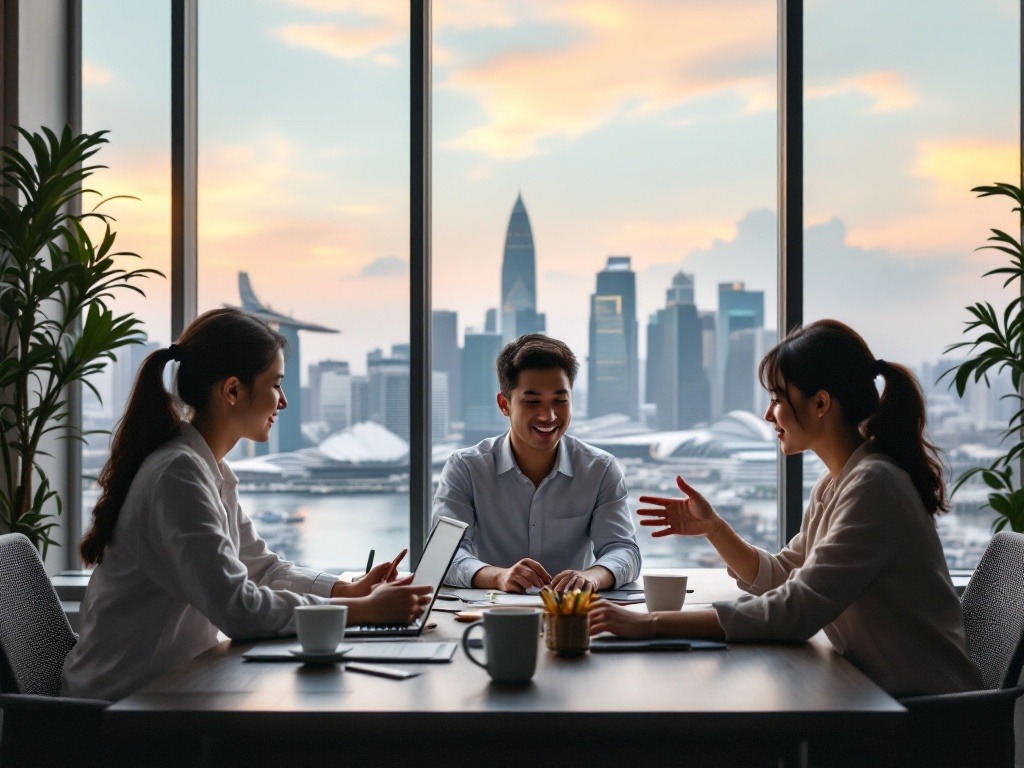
(537, 501)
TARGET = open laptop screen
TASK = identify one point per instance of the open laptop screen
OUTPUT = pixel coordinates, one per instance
(439, 552)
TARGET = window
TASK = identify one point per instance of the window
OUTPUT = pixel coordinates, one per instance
(907, 107)
(615, 189)
(125, 90)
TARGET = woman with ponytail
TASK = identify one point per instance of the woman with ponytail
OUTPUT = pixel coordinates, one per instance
(866, 566)
(176, 558)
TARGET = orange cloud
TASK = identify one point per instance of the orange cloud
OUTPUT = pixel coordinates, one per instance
(344, 42)
(956, 166)
(619, 61)
(887, 91)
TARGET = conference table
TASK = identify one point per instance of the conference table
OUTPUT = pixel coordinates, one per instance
(756, 705)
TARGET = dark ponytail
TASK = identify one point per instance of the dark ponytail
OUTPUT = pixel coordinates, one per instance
(829, 355)
(216, 345)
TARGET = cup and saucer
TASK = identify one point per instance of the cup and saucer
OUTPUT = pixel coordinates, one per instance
(320, 657)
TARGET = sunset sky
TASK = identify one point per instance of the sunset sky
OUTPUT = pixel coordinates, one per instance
(639, 127)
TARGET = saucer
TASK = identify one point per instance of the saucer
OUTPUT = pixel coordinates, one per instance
(320, 657)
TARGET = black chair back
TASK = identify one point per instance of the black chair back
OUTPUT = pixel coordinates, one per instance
(35, 635)
(993, 606)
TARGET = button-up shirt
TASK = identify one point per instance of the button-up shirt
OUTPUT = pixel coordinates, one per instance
(184, 562)
(577, 517)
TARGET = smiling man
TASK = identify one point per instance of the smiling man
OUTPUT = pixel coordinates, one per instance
(543, 508)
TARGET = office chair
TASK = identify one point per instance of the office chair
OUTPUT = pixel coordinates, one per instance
(976, 728)
(39, 728)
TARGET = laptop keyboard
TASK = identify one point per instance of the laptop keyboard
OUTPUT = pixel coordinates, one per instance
(373, 629)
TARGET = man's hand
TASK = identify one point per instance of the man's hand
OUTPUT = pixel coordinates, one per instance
(522, 576)
(582, 580)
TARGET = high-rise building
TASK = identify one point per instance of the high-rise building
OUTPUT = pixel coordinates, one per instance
(613, 364)
(519, 278)
(332, 385)
(480, 412)
(676, 380)
(389, 390)
(287, 434)
(445, 356)
(738, 309)
(440, 420)
(742, 390)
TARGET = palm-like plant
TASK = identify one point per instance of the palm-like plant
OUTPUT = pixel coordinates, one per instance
(55, 326)
(998, 346)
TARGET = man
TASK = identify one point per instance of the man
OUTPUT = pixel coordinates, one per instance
(537, 501)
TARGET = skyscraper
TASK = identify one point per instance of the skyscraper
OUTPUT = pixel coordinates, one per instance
(738, 310)
(742, 391)
(677, 383)
(445, 355)
(389, 389)
(518, 278)
(614, 361)
(287, 435)
(332, 390)
(480, 386)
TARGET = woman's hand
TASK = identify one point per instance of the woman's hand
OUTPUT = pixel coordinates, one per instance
(609, 617)
(396, 602)
(362, 586)
(689, 516)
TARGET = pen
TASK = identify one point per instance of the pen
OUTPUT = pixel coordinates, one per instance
(369, 561)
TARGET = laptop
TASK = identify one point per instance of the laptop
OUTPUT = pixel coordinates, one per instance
(438, 554)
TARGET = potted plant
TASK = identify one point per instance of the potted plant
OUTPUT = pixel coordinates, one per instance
(56, 328)
(997, 346)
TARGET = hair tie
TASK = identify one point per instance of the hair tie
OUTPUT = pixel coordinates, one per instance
(175, 351)
(879, 368)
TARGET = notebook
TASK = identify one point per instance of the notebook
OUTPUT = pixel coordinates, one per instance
(599, 644)
(437, 557)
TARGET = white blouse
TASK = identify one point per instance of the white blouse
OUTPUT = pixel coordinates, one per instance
(184, 562)
(867, 567)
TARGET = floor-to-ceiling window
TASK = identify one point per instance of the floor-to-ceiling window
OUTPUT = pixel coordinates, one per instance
(629, 148)
(605, 173)
(907, 107)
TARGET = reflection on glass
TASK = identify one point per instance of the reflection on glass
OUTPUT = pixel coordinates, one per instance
(606, 175)
(899, 126)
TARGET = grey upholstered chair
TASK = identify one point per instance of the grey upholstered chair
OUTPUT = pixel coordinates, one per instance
(976, 728)
(39, 728)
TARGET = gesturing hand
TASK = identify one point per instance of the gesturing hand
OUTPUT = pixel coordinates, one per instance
(398, 601)
(523, 575)
(692, 515)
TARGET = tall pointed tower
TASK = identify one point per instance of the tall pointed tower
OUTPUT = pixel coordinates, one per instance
(518, 278)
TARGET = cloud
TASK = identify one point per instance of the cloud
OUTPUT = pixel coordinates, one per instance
(887, 91)
(385, 266)
(610, 63)
(957, 165)
(344, 42)
(93, 74)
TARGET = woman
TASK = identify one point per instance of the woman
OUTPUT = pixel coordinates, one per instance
(177, 559)
(867, 565)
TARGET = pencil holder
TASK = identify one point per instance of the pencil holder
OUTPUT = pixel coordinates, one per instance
(567, 634)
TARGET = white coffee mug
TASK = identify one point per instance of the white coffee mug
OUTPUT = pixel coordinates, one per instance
(511, 637)
(320, 627)
(664, 592)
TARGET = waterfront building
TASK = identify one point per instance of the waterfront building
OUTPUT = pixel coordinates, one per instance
(446, 358)
(389, 389)
(480, 412)
(738, 309)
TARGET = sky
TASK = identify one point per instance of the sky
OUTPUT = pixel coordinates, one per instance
(644, 128)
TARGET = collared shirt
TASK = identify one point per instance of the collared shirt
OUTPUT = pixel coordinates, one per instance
(577, 517)
(184, 562)
(867, 567)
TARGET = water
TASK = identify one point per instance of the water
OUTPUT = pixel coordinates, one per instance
(337, 531)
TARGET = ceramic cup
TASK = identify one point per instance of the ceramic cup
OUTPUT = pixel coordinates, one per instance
(320, 627)
(511, 637)
(664, 592)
